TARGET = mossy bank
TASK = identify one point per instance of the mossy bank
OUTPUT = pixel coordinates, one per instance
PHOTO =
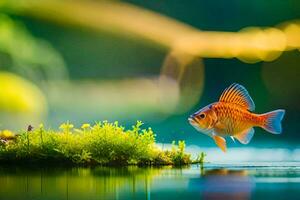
(101, 144)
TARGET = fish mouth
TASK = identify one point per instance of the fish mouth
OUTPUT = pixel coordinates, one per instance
(195, 124)
(192, 121)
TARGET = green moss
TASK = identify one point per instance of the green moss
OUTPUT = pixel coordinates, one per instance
(104, 143)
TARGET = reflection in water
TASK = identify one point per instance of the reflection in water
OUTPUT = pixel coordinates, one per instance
(225, 184)
(148, 183)
(75, 183)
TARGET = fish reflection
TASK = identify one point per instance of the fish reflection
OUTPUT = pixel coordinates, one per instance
(223, 184)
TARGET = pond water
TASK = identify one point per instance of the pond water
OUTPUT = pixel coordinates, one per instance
(261, 180)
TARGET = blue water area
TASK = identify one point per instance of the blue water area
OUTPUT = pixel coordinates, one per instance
(261, 180)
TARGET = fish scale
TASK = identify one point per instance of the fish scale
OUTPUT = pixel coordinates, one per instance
(230, 116)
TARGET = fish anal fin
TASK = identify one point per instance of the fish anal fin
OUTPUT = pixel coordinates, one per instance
(245, 136)
(221, 142)
(238, 94)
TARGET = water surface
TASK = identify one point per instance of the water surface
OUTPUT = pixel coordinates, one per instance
(259, 180)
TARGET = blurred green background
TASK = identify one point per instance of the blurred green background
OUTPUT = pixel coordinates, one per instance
(73, 70)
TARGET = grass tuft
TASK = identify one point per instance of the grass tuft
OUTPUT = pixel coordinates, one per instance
(101, 144)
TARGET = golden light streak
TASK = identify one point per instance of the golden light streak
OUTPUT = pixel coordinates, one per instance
(292, 32)
(250, 44)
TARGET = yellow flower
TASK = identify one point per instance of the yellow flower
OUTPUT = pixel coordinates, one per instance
(7, 134)
(66, 127)
(85, 126)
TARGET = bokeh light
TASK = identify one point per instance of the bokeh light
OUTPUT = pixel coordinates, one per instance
(20, 100)
(292, 32)
(187, 71)
(280, 77)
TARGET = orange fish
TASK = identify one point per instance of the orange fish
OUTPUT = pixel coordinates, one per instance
(232, 116)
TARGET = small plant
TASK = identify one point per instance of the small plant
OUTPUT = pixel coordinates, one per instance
(66, 127)
(200, 158)
(103, 143)
(178, 155)
(41, 131)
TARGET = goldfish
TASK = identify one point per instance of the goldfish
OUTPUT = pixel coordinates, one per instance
(232, 116)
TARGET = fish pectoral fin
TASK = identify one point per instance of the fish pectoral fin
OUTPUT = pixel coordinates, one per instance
(245, 136)
(221, 142)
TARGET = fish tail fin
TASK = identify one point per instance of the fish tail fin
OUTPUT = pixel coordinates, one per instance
(272, 121)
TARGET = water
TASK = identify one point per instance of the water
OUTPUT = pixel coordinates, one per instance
(261, 180)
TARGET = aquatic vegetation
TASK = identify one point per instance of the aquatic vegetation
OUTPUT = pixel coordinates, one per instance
(101, 144)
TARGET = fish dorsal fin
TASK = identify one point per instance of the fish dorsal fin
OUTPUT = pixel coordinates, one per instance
(238, 94)
(221, 142)
(245, 136)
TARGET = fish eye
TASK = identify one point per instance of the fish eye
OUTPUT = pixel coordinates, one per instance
(202, 115)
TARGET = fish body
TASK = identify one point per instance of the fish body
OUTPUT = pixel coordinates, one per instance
(233, 116)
